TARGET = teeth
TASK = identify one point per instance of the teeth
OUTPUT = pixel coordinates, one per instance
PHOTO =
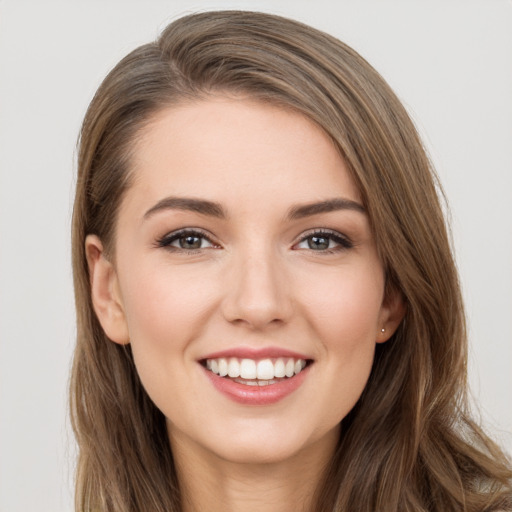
(256, 373)
(247, 382)
(248, 369)
(279, 369)
(289, 368)
(265, 369)
(298, 366)
(233, 367)
(223, 367)
(256, 382)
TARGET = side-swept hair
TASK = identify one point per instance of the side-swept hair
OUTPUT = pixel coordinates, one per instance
(408, 444)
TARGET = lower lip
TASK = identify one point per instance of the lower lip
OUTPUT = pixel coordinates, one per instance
(257, 395)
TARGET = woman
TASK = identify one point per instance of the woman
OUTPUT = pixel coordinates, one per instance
(269, 315)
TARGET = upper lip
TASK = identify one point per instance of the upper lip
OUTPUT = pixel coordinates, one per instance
(255, 353)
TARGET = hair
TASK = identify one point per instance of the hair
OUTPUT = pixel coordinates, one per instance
(409, 443)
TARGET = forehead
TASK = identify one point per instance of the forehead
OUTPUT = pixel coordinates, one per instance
(236, 148)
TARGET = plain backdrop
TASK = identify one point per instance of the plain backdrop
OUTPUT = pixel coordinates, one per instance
(449, 61)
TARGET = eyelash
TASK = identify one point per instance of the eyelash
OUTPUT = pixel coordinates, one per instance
(166, 241)
(342, 241)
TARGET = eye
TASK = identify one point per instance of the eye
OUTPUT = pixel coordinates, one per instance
(324, 241)
(186, 240)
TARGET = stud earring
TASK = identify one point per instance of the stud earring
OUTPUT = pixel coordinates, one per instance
(383, 330)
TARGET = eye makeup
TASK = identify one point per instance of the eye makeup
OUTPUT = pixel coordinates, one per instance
(194, 240)
(189, 240)
(324, 241)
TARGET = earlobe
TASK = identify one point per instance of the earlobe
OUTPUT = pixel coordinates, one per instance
(392, 313)
(105, 292)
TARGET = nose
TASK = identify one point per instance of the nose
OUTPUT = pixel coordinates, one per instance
(257, 291)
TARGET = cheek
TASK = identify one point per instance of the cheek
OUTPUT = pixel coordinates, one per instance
(345, 318)
(165, 311)
(164, 304)
(345, 305)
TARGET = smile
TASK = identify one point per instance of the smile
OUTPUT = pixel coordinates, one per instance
(256, 377)
(252, 372)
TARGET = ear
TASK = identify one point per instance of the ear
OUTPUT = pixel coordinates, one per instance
(391, 314)
(105, 292)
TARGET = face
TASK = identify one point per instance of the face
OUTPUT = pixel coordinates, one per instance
(245, 278)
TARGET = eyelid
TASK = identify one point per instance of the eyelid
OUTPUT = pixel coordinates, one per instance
(166, 240)
(344, 242)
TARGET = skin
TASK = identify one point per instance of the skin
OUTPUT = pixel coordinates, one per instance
(255, 282)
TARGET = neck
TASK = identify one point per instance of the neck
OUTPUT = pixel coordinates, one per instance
(208, 482)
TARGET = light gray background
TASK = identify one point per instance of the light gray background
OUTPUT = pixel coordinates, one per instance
(449, 61)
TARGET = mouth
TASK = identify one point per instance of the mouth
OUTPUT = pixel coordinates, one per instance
(256, 376)
(256, 372)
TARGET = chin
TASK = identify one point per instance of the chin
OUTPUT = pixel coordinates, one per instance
(269, 445)
(259, 452)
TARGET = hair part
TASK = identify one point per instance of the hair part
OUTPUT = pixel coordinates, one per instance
(409, 443)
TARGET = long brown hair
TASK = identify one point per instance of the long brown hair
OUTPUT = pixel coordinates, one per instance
(408, 444)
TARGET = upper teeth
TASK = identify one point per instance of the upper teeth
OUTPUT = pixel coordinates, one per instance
(265, 369)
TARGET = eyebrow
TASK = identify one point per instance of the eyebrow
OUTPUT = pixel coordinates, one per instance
(212, 209)
(201, 206)
(329, 205)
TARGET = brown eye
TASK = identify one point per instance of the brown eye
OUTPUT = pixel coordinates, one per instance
(186, 240)
(324, 241)
(190, 242)
(318, 243)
